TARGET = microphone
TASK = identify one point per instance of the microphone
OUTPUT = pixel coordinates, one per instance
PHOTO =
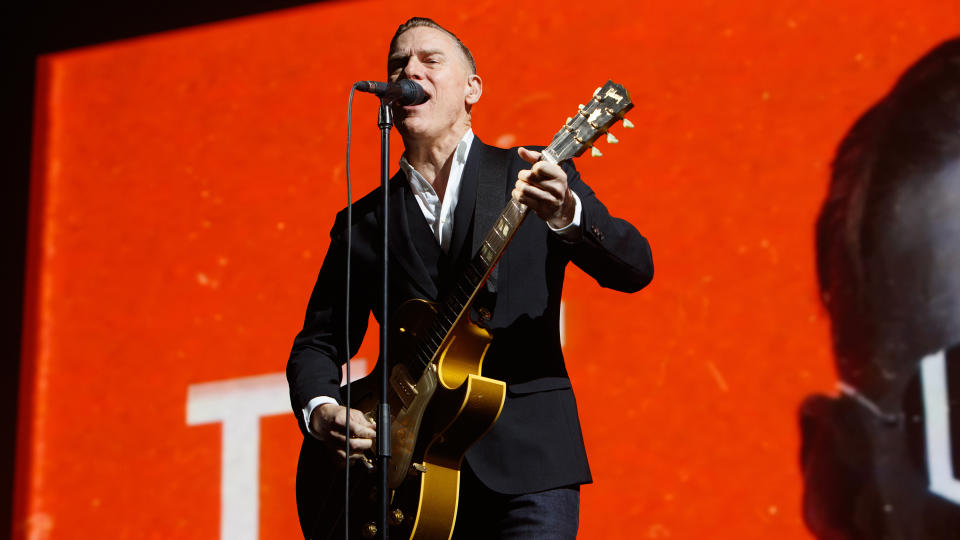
(402, 92)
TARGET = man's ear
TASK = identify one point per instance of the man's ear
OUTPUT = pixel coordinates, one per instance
(474, 89)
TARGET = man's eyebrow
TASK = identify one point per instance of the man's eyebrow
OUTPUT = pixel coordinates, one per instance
(399, 56)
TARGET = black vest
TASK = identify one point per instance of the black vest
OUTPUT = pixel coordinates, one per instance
(444, 269)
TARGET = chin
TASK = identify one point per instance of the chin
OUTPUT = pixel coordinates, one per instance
(413, 129)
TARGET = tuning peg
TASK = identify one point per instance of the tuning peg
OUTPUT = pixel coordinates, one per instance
(611, 139)
(627, 124)
(594, 152)
(597, 91)
(569, 120)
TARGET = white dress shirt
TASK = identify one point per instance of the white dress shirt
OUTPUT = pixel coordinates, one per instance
(437, 212)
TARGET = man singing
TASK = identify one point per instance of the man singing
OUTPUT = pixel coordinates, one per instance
(521, 480)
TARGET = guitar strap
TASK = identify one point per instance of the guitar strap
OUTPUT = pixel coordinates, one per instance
(491, 187)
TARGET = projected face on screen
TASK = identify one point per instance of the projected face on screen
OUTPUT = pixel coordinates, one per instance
(883, 459)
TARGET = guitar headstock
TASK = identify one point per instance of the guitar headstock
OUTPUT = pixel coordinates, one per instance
(608, 105)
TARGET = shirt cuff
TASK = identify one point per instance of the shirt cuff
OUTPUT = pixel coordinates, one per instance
(311, 405)
(571, 233)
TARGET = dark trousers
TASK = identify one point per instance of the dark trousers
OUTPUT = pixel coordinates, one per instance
(483, 514)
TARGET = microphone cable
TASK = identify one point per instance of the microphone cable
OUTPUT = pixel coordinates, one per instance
(346, 323)
(346, 468)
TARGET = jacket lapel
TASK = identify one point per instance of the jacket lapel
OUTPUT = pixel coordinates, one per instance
(483, 190)
(401, 245)
(491, 196)
(466, 201)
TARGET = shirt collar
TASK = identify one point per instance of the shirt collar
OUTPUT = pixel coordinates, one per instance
(418, 182)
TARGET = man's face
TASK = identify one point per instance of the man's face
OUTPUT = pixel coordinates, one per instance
(434, 60)
(912, 266)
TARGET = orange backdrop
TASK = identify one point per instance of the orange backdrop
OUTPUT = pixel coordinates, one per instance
(184, 185)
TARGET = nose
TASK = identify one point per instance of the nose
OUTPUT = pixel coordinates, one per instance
(414, 69)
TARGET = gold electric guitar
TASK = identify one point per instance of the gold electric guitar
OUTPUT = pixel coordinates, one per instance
(440, 403)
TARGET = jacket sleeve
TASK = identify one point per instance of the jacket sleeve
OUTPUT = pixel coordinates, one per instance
(610, 249)
(320, 349)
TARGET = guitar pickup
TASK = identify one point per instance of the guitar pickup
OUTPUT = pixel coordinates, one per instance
(403, 385)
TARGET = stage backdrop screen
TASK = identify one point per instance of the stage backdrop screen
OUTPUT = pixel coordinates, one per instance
(185, 183)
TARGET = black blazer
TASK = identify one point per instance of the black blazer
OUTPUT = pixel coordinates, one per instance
(536, 443)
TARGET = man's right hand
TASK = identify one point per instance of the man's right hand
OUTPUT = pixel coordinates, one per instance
(329, 422)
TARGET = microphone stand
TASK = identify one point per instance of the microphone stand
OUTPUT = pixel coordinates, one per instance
(385, 122)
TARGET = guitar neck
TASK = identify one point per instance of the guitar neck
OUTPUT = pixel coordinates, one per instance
(608, 105)
(490, 252)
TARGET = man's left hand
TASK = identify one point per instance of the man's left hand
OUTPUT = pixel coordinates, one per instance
(544, 189)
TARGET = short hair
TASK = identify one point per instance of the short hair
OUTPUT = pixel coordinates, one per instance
(914, 129)
(416, 22)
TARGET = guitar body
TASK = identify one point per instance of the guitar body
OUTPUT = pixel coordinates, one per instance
(435, 418)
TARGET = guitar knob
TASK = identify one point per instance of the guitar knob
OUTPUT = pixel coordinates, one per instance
(396, 517)
(369, 530)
